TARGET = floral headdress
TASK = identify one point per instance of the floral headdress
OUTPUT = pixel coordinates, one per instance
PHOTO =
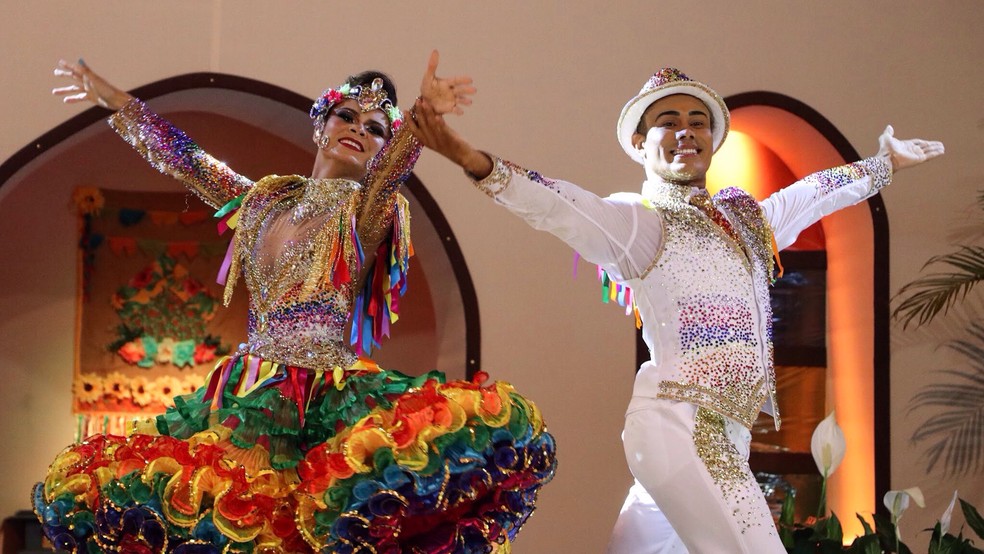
(372, 97)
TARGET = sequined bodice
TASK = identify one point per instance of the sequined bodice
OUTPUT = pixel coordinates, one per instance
(299, 241)
(284, 325)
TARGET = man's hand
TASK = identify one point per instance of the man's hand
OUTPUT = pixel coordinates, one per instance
(445, 94)
(907, 153)
(433, 132)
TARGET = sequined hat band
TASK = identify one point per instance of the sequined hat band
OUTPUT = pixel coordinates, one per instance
(372, 97)
(663, 83)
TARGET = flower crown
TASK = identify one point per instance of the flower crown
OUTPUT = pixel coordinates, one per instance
(372, 97)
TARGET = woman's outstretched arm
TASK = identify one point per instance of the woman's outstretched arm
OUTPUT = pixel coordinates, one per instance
(167, 148)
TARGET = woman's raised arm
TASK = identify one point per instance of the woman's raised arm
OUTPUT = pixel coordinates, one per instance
(88, 86)
(164, 146)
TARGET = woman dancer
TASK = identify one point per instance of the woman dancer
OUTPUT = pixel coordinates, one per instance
(296, 443)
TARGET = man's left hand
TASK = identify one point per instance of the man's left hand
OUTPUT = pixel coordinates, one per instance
(907, 153)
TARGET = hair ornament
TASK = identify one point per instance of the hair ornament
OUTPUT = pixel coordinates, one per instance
(371, 97)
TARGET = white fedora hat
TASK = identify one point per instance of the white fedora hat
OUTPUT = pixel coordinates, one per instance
(663, 83)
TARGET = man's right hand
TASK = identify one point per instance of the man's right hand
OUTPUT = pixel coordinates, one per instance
(433, 132)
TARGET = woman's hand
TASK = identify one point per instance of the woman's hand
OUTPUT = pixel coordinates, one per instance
(433, 132)
(87, 85)
(445, 95)
(907, 153)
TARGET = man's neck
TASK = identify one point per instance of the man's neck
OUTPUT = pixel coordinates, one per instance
(677, 180)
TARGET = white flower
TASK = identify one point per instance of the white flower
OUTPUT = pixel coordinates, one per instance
(945, 518)
(828, 445)
(165, 350)
(898, 501)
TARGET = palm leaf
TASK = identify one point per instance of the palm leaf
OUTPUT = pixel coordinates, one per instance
(926, 297)
(955, 433)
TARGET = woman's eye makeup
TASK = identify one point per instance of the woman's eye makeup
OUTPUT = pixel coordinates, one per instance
(346, 115)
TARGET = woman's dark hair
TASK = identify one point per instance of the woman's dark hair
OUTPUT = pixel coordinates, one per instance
(365, 79)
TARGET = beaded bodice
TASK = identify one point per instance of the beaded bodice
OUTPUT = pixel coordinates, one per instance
(283, 234)
(299, 241)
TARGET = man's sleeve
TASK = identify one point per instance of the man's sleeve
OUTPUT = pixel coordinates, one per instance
(803, 203)
(605, 231)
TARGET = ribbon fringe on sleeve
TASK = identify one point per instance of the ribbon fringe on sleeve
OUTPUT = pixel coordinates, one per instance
(377, 304)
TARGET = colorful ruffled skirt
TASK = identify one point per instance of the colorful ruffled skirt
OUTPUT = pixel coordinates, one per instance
(355, 461)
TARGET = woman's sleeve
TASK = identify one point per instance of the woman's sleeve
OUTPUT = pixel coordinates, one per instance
(173, 153)
(608, 232)
(387, 172)
(803, 203)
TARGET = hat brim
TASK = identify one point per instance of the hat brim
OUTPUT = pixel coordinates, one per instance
(628, 121)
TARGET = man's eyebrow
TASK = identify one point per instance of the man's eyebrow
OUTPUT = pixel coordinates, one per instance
(676, 113)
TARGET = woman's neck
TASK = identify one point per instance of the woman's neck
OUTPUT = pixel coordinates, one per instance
(324, 169)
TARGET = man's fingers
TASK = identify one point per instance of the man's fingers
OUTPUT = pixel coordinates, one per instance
(432, 61)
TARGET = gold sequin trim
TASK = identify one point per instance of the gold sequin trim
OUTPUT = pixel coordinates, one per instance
(727, 467)
(740, 402)
(495, 182)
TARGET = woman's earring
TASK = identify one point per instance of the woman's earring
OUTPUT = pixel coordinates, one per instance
(320, 139)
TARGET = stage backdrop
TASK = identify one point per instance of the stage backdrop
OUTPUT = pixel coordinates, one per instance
(150, 317)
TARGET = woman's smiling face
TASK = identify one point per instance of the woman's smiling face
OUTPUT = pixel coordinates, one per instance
(350, 138)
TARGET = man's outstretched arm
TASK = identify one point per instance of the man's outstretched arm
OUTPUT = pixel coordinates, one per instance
(803, 203)
(605, 231)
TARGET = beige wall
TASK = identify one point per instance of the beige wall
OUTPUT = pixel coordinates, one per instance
(552, 78)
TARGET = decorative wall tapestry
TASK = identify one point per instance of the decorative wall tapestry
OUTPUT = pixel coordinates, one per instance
(150, 316)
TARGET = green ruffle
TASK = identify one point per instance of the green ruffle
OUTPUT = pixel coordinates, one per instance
(267, 417)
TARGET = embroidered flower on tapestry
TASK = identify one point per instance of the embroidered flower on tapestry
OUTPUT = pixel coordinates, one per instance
(164, 313)
(151, 322)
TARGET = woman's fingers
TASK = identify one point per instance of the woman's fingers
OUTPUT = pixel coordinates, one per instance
(62, 91)
(81, 97)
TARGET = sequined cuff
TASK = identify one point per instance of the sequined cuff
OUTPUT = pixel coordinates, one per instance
(126, 120)
(879, 168)
(495, 182)
(130, 111)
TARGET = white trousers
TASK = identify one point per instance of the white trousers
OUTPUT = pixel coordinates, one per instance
(694, 490)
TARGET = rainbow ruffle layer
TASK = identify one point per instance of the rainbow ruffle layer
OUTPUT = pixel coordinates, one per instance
(434, 467)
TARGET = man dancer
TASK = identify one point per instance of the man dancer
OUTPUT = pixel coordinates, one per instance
(699, 269)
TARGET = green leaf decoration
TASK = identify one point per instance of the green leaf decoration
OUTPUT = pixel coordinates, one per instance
(973, 518)
(865, 544)
(786, 519)
(864, 523)
(834, 530)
